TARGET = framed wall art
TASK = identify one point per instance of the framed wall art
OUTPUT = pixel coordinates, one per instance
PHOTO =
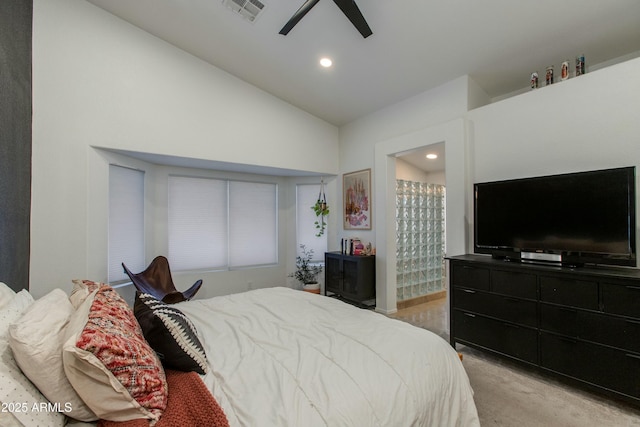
(356, 193)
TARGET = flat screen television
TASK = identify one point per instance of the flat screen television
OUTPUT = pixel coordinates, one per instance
(570, 219)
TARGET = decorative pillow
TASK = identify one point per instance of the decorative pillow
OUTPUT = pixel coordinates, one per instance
(6, 294)
(171, 334)
(36, 340)
(17, 394)
(109, 363)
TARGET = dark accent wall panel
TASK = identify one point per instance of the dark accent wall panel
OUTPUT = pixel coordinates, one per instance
(16, 17)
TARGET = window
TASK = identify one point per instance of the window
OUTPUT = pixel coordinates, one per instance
(197, 223)
(306, 197)
(126, 221)
(215, 223)
(253, 225)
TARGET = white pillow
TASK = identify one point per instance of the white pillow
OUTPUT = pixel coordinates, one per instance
(81, 291)
(14, 386)
(7, 419)
(36, 340)
(12, 311)
(6, 294)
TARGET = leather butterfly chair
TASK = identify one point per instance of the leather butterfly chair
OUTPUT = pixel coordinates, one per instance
(156, 280)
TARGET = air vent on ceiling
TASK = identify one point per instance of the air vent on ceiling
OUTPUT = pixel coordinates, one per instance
(249, 9)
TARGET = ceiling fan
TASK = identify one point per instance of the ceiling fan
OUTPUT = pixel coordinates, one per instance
(348, 7)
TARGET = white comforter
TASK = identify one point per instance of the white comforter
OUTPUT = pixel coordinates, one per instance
(281, 357)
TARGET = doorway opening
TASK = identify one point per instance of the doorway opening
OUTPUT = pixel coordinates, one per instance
(452, 134)
(420, 225)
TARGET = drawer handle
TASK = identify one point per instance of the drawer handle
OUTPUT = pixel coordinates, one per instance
(633, 356)
(469, 291)
(469, 315)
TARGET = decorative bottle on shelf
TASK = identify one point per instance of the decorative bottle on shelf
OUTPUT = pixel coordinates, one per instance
(580, 67)
(534, 80)
(549, 75)
(564, 70)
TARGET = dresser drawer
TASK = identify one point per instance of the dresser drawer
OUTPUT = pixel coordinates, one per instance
(613, 331)
(595, 364)
(589, 326)
(499, 306)
(569, 292)
(516, 341)
(621, 299)
(516, 284)
(561, 320)
(467, 276)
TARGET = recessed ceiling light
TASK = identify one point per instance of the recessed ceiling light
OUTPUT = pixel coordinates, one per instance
(432, 156)
(326, 62)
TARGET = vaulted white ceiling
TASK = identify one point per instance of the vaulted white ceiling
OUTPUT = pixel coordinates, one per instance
(416, 44)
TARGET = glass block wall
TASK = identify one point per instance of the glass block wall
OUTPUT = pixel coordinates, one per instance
(420, 221)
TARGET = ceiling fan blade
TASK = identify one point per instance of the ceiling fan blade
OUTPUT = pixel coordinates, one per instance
(306, 7)
(350, 9)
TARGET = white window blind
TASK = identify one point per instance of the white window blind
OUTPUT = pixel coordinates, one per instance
(126, 222)
(197, 221)
(306, 197)
(253, 224)
(216, 223)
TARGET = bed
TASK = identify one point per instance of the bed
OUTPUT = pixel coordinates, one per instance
(280, 357)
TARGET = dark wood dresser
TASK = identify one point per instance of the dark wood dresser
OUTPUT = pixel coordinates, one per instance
(580, 323)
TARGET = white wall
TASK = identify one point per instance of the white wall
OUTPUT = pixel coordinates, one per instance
(437, 177)
(359, 138)
(408, 172)
(100, 82)
(585, 123)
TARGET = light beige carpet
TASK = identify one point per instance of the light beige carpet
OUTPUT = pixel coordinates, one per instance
(509, 395)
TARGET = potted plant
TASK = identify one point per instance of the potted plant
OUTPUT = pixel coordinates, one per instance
(306, 272)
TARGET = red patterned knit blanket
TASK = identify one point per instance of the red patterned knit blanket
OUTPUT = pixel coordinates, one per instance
(189, 404)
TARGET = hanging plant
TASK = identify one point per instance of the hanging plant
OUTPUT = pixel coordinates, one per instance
(321, 209)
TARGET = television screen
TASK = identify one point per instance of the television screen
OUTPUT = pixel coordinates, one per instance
(584, 217)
